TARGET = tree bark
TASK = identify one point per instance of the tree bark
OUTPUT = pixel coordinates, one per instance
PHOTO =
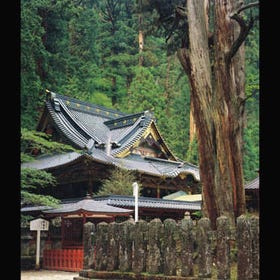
(192, 124)
(140, 35)
(217, 91)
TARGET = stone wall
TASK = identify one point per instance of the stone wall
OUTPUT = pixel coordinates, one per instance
(174, 248)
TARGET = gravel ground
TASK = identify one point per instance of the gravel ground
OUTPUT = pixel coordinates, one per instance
(47, 275)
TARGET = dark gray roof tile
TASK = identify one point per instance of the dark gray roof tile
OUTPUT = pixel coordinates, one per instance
(149, 202)
(155, 167)
(87, 205)
(46, 162)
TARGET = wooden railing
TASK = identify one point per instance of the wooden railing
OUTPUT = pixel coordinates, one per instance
(63, 259)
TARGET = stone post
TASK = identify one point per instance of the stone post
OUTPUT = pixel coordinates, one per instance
(140, 246)
(169, 247)
(101, 242)
(88, 242)
(187, 240)
(247, 245)
(204, 249)
(154, 259)
(223, 248)
(112, 249)
(255, 230)
(125, 245)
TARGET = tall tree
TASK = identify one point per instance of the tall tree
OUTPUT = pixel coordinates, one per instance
(215, 68)
(212, 53)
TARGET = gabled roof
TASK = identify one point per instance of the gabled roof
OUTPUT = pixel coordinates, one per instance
(87, 125)
(92, 127)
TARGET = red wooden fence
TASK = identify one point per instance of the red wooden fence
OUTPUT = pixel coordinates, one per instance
(63, 259)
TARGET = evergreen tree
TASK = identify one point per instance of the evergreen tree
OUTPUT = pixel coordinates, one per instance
(33, 144)
(119, 182)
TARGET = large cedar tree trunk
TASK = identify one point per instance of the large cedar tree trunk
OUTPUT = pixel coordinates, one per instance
(217, 92)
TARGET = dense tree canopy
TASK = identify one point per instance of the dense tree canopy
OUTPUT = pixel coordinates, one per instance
(89, 49)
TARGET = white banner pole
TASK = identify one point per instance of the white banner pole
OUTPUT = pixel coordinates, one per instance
(135, 193)
(38, 249)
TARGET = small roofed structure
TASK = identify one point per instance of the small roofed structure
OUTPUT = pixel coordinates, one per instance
(252, 195)
(74, 213)
(183, 196)
(87, 207)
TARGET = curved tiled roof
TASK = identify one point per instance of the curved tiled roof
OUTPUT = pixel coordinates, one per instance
(155, 167)
(149, 202)
(80, 121)
(108, 135)
(113, 204)
(88, 205)
(93, 127)
(53, 161)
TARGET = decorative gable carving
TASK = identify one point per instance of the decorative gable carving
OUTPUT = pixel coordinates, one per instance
(149, 147)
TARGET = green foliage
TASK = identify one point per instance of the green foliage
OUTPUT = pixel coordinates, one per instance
(119, 182)
(89, 50)
(192, 156)
(100, 99)
(41, 178)
(142, 92)
(32, 180)
(197, 214)
(34, 143)
(251, 151)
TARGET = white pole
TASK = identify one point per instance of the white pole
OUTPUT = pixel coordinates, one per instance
(38, 250)
(135, 193)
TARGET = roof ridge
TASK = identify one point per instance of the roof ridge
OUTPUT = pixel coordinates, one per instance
(51, 95)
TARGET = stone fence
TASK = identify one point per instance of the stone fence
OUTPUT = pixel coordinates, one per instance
(171, 248)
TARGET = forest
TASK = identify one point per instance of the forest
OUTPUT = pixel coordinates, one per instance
(118, 53)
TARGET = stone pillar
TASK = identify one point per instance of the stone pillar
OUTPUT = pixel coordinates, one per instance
(140, 246)
(247, 235)
(88, 242)
(187, 240)
(154, 260)
(204, 248)
(113, 245)
(101, 242)
(255, 230)
(169, 247)
(223, 248)
(125, 245)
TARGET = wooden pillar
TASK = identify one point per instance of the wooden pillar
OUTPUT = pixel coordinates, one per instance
(84, 218)
(90, 184)
(62, 231)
